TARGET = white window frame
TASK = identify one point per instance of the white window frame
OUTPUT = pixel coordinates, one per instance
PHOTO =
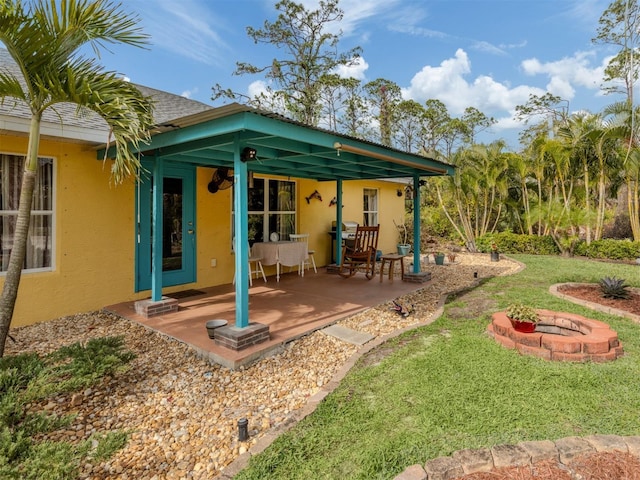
(266, 212)
(51, 213)
(370, 198)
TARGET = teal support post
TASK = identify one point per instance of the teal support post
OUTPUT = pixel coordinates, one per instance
(416, 224)
(156, 229)
(241, 238)
(339, 222)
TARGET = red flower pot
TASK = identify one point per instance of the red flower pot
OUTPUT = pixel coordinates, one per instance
(524, 327)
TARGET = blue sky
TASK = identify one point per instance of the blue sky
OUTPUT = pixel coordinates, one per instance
(489, 54)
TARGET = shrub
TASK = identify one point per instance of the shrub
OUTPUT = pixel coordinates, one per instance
(509, 242)
(522, 313)
(26, 379)
(613, 287)
(609, 248)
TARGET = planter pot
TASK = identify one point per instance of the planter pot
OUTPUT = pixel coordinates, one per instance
(439, 259)
(404, 249)
(212, 325)
(523, 327)
(495, 256)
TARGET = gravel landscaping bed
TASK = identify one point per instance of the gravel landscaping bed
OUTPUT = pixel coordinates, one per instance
(182, 412)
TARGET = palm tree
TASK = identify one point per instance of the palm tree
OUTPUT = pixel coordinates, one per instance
(577, 133)
(45, 38)
(622, 124)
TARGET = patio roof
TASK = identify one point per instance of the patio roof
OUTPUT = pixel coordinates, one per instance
(284, 147)
(216, 138)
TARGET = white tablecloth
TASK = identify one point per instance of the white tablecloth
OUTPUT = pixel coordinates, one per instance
(288, 254)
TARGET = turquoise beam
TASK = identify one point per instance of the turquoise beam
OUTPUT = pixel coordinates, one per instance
(416, 224)
(241, 237)
(156, 229)
(339, 222)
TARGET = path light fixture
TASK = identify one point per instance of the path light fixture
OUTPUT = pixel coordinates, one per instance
(243, 429)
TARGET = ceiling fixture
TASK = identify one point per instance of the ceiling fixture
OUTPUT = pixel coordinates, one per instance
(248, 154)
(221, 179)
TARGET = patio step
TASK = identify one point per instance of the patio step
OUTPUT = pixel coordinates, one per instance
(348, 335)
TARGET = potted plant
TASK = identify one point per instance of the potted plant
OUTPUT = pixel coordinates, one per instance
(523, 317)
(439, 258)
(495, 255)
(403, 246)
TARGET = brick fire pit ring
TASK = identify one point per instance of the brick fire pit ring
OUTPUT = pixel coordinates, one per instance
(559, 336)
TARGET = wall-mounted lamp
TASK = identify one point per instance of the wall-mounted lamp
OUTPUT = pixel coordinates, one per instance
(248, 154)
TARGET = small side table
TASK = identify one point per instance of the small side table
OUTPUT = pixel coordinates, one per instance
(392, 259)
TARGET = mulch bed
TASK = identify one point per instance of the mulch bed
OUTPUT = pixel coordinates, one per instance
(593, 293)
(599, 466)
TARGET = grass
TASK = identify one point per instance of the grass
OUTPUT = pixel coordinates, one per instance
(28, 379)
(449, 386)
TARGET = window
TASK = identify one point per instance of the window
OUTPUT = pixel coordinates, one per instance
(272, 209)
(40, 243)
(370, 208)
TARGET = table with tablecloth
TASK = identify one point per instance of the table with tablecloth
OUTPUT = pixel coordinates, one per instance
(288, 254)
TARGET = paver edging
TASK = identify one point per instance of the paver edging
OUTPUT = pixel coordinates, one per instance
(562, 450)
(553, 290)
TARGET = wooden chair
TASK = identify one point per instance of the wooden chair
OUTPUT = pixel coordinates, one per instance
(362, 255)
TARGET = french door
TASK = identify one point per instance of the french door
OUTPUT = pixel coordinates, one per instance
(177, 230)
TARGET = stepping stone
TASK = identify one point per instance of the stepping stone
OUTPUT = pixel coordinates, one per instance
(347, 335)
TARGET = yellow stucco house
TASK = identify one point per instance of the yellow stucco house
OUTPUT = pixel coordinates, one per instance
(92, 243)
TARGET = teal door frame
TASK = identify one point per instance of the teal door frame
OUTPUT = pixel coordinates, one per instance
(150, 209)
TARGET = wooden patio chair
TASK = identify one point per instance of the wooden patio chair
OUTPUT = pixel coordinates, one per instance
(362, 255)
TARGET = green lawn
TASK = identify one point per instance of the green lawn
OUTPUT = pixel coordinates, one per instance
(449, 386)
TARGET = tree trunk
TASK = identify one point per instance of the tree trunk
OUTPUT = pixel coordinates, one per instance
(587, 206)
(633, 205)
(21, 235)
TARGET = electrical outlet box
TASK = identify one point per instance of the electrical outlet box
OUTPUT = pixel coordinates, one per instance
(214, 262)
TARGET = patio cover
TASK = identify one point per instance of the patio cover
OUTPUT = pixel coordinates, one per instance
(217, 137)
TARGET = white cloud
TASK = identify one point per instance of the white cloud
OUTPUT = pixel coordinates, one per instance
(447, 82)
(189, 93)
(257, 88)
(487, 47)
(185, 28)
(355, 12)
(357, 70)
(568, 72)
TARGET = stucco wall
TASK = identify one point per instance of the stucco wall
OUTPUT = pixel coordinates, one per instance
(315, 217)
(95, 232)
(93, 237)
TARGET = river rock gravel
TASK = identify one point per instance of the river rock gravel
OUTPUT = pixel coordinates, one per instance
(182, 412)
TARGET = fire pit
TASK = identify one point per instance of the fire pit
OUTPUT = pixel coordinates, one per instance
(560, 336)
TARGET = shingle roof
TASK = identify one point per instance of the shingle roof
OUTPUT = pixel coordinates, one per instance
(167, 106)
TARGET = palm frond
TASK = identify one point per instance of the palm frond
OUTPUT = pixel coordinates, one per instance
(45, 37)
